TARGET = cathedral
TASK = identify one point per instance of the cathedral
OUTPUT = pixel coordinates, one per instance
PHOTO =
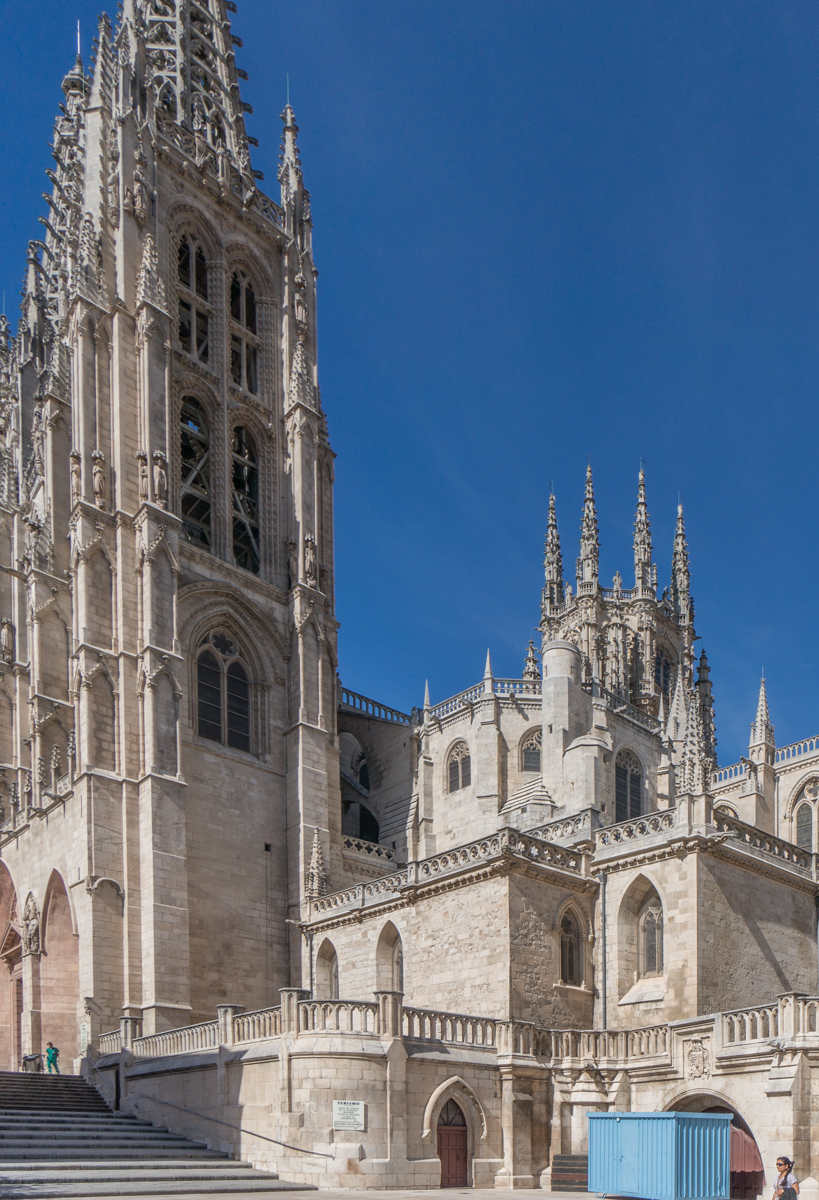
(354, 946)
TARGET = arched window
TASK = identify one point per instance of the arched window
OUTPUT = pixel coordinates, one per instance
(460, 767)
(223, 693)
(244, 345)
(804, 826)
(194, 309)
(451, 1114)
(245, 485)
(389, 960)
(662, 673)
(650, 927)
(628, 787)
(531, 752)
(570, 964)
(194, 454)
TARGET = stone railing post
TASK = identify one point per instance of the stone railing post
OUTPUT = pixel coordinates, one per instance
(291, 997)
(224, 1020)
(129, 1028)
(390, 1013)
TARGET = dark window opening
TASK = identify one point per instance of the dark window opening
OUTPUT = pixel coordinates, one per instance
(195, 472)
(245, 486)
(209, 692)
(569, 952)
(223, 694)
(628, 801)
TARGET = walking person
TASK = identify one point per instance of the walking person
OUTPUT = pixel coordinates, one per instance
(52, 1054)
(786, 1186)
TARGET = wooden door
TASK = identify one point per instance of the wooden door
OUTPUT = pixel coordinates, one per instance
(452, 1153)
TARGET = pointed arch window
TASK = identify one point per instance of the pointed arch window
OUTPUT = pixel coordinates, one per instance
(531, 752)
(650, 926)
(194, 308)
(244, 344)
(460, 767)
(245, 484)
(223, 693)
(628, 786)
(804, 826)
(194, 452)
(570, 961)
(662, 674)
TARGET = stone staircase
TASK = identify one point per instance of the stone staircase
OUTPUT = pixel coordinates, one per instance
(58, 1137)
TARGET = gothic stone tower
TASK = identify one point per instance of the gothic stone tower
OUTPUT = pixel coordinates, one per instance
(167, 702)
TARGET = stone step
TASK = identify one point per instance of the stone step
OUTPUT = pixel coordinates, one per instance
(148, 1172)
(11, 1170)
(95, 1135)
(62, 1153)
(216, 1187)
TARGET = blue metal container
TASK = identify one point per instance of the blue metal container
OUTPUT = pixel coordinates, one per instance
(660, 1155)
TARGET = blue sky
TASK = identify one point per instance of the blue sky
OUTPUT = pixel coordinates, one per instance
(544, 230)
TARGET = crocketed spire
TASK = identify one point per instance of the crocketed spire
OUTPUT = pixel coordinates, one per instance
(695, 769)
(553, 563)
(588, 564)
(709, 725)
(680, 572)
(315, 884)
(762, 731)
(643, 572)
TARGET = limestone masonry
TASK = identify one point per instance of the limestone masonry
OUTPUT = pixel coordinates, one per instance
(239, 896)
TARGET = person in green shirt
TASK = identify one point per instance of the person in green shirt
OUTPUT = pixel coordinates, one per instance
(52, 1054)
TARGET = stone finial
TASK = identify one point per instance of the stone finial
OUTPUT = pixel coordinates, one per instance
(315, 883)
(531, 668)
(709, 724)
(762, 731)
(680, 572)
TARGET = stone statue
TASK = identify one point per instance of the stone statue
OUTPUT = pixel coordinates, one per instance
(31, 927)
(310, 564)
(292, 562)
(113, 178)
(99, 478)
(7, 641)
(160, 479)
(76, 477)
(142, 468)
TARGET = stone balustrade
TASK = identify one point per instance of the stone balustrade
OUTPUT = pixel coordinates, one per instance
(766, 843)
(372, 850)
(750, 1024)
(177, 1041)
(428, 1025)
(257, 1026)
(110, 1043)
(577, 828)
(338, 1016)
(641, 827)
(797, 749)
(501, 688)
(371, 708)
(415, 874)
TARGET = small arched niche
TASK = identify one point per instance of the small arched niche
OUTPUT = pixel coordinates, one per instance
(389, 960)
(326, 984)
(640, 944)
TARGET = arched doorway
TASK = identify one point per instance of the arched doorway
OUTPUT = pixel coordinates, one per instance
(747, 1171)
(11, 980)
(59, 974)
(452, 1145)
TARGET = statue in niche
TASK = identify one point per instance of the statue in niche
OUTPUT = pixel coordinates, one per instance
(113, 178)
(310, 563)
(76, 477)
(31, 927)
(137, 198)
(7, 641)
(160, 479)
(99, 478)
(292, 562)
(142, 468)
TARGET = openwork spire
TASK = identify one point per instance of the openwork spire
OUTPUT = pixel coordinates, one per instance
(588, 564)
(315, 883)
(680, 572)
(553, 564)
(644, 573)
(189, 66)
(762, 731)
(676, 725)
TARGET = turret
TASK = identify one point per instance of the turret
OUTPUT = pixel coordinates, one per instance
(762, 745)
(588, 564)
(681, 574)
